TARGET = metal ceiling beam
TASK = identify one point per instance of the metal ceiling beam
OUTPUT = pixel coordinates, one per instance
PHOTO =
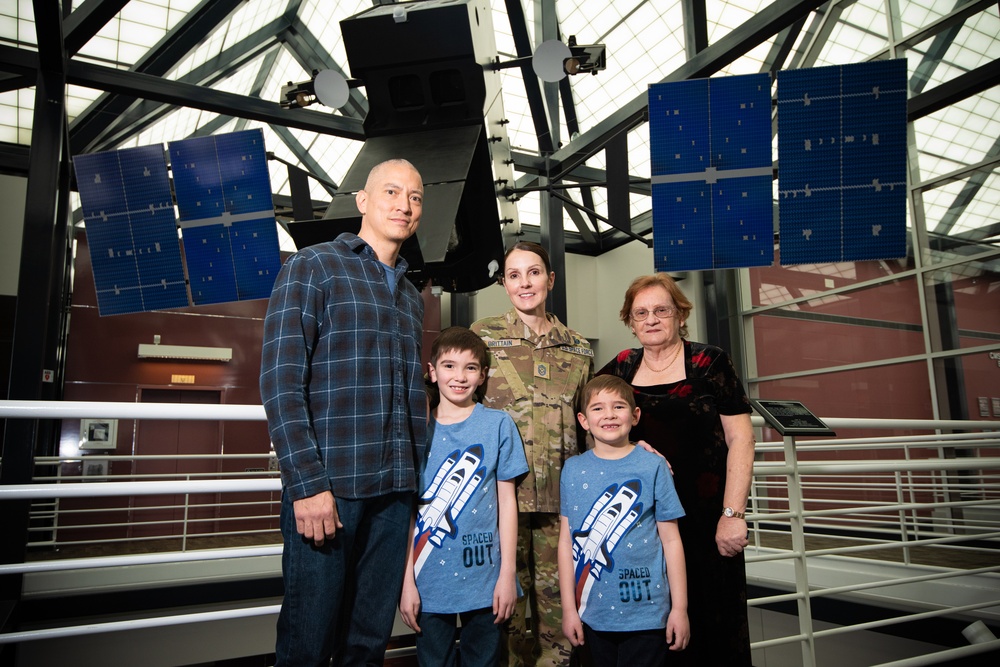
(957, 89)
(818, 34)
(312, 55)
(87, 20)
(532, 165)
(968, 193)
(782, 48)
(695, 27)
(769, 21)
(183, 38)
(145, 113)
(14, 159)
(135, 85)
(532, 89)
(933, 55)
(306, 159)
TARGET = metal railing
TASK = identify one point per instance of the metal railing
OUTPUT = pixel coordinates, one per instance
(889, 514)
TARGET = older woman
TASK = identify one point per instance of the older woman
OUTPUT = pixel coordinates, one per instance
(695, 412)
(539, 369)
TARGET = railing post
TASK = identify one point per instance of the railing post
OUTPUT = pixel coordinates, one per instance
(903, 532)
(796, 508)
(184, 526)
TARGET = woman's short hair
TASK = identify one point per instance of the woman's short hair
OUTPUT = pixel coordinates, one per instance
(657, 280)
(528, 246)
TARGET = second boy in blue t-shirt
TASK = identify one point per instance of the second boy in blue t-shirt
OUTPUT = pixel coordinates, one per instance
(461, 559)
(618, 543)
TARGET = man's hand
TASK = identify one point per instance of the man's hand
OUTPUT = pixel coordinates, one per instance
(316, 517)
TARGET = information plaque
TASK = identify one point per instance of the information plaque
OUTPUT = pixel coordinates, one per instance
(790, 418)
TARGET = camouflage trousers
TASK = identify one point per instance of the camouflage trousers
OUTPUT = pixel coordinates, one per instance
(538, 572)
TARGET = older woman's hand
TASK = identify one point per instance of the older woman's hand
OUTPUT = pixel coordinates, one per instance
(649, 448)
(731, 536)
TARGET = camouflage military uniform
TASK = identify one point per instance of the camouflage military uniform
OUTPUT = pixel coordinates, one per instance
(537, 380)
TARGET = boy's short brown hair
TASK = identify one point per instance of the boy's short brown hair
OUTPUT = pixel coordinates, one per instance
(460, 339)
(611, 383)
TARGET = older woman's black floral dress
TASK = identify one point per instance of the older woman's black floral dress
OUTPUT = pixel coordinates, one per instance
(681, 420)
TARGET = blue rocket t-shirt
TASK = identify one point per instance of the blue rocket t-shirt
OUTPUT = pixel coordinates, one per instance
(456, 541)
(612, 507)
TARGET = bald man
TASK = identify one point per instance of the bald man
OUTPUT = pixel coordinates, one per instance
(342, 387)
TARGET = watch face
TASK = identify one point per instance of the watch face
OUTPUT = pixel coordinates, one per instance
(728, 511)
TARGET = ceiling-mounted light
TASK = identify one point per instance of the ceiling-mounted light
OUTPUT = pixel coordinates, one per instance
(328, 87)
(553, 60)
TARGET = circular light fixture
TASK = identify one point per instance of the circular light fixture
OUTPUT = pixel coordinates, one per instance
(331, 88)
(548, 58)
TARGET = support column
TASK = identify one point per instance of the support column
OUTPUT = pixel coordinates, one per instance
(39, 315)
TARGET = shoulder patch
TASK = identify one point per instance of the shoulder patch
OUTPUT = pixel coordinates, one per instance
(585, 351)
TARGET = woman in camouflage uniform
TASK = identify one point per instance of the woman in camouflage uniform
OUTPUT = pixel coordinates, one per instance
(539, 368)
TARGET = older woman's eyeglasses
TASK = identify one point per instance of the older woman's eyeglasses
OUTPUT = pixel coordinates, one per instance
(661, 312)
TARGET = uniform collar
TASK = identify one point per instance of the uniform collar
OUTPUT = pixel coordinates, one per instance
(558, 334)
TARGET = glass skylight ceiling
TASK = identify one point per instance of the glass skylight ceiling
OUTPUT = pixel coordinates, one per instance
(645, 42)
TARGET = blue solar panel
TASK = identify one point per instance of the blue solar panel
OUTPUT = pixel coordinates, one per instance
(131, 231)
(257, 265)
(710, 151)
(842, 156)
(210, 264)
(223, 193)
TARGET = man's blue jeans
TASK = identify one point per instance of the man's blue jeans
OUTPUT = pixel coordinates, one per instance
(340, 599)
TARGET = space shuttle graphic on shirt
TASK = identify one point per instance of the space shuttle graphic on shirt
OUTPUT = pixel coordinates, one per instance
(438, 507)
(609, 518)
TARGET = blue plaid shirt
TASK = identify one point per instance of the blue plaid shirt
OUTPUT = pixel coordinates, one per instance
(341, 377)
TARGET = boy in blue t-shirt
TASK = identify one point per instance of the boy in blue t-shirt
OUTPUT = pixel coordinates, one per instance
(466, 514)
(619, 543)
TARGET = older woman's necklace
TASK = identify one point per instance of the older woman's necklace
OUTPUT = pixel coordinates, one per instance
(670, 363)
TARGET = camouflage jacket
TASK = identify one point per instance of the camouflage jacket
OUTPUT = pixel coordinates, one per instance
(538, 380)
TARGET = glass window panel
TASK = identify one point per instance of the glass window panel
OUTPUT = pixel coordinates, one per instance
(791, 341)
(774, 285)
(898, 391)
(967, 298)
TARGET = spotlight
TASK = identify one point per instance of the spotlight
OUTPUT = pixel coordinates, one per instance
(586, 58)
(553, 60)
(296, 95)
(327, 87)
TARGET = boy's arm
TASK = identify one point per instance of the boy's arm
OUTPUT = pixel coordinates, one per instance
(409, 599)
(505, 593)
(678, 628)
(571, 623)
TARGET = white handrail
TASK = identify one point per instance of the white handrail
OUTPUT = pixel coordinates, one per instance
(86, 490)
(243, 412)
(120, 410)
(140, 559)
(138, 624)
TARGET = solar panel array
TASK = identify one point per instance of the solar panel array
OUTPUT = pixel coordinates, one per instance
(842, 174)
(710, 145)
(131, 232)
(842, 151)
(224, 198)
(223, 193)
